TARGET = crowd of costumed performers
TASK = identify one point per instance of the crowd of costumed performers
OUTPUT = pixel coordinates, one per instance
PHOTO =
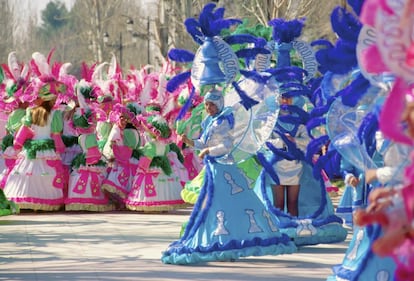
(99, 143)
(255, 128)
(365, 106)
(248, 131)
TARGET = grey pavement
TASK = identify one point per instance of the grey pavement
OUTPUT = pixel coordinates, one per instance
(118, 246)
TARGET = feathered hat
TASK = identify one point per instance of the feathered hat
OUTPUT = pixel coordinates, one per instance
(49, 82)
(15, 77)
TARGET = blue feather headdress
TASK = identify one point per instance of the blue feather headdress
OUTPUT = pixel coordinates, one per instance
(216, 51)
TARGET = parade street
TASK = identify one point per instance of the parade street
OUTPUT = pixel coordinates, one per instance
(121, 246)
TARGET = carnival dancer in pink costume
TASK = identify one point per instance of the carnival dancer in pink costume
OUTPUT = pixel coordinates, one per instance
(155, 188)
(122, 150)
(70, 139)
(88, 170)
(36, 181)
(16, 78)
(170, 110)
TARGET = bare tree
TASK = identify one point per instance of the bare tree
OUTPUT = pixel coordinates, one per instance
(6, 31)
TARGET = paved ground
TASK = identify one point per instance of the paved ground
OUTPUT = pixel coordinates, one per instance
(121, 246)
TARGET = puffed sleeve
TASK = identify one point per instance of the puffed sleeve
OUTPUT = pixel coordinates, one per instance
(302, 138)
(131, 138)
(57, 121)
(114, 137)
(219, 141)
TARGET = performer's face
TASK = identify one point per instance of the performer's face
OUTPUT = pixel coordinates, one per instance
(286, 100)
(122, 122)
(211, 108)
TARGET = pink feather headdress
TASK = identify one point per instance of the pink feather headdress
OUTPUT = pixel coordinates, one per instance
(49, 80)
(17, 78)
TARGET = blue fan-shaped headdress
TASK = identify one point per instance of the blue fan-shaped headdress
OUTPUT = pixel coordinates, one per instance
(215, 62)
(345, 97)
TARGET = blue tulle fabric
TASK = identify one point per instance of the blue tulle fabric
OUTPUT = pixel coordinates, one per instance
(360, 263)
(228, 222)
(316, 211)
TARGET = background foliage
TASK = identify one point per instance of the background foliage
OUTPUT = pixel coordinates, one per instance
(77, 34)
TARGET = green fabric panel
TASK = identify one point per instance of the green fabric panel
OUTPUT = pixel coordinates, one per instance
(101, 144)
(91, 141)
(149, 149)
(163, 163)
(80, 160)
(33, 146)
(105, 129)
(174, 147)
(81, 121)
(7, 141)
(130, 138)
(137, 153)
(69, 140)
(15, 120)
(57, 121)
(27, 119)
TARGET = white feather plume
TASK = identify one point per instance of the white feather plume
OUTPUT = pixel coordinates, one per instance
(97, 73)
(145, 95)
(64, 69)
(112, 66)
(14, 65)
(41, 63)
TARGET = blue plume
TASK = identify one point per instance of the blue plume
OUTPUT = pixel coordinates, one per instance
(317, 98)
(345, 24)
(294, 86)
(251, 52)
(217, 26)
(341, 59)
(314, 147)
(320, 110)
(354, 91)
(240, 39)
(279, 153)
(210, 23)
(322, 43)
(255, 76)
(296, 93)
(313, 123)
(356, 5)
(177, 81)
(193, 28)
(366, 132)
(301, 115)
(330, 162)
(286, 31)
(218, 13)
(267, 166)
(260, 42)
(245, 100)
(180, 55)
(206, 18)
(186, 106)
(287, 74)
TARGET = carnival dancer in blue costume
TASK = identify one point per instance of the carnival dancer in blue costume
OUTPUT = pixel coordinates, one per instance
(288, 171)
(360, 262)
(228, 220)
(310, 219)
(352, 197)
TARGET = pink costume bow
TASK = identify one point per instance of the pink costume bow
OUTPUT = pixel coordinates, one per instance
(122, 155)
(59, 179)
(95, 182)
(148, 178)
(144, 173)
